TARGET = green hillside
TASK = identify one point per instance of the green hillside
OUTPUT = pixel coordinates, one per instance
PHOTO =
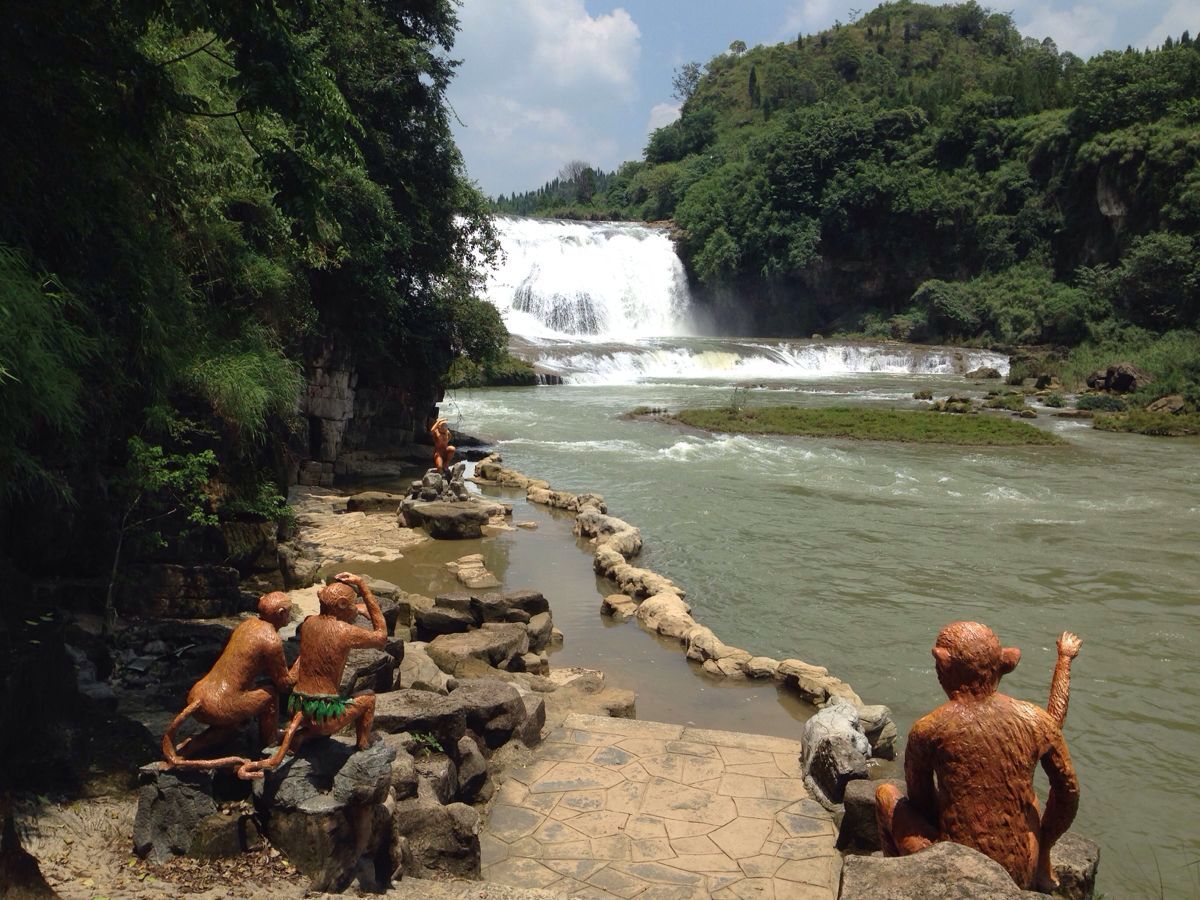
(926, 173)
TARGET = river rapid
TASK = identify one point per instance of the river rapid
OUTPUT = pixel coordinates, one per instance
(852, 555)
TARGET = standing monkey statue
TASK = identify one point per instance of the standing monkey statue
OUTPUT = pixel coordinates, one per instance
(983, 746)
(443, 450)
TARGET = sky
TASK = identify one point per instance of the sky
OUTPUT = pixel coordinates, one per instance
(544, 82)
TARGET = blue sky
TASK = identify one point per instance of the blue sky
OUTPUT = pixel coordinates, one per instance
(543, 82)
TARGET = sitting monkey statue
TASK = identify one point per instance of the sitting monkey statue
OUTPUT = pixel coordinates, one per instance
(326, 640)
(226, 698)
(983, 746)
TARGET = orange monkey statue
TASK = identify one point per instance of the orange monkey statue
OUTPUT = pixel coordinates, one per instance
(443, 450)
(983, 747)
(226, 698)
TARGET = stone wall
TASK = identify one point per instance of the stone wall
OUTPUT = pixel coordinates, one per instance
(346, 416)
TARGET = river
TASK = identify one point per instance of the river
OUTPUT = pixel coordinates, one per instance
(853, 555)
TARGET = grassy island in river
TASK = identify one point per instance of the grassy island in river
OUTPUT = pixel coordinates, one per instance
(862, 423)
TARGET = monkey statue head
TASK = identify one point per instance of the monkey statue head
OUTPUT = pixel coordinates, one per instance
(339, 600)
(275, 608)
(970, 660)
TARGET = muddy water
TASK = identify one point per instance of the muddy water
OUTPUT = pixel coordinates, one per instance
(852, 555)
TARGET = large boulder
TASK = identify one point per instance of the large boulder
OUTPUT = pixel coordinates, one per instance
(859, 830)
(666, 614)
(1125, 377)
(513, 606)
(1075, 860)
(374, 502)
(983, 372)
(171, 806)
(421, 712)
(442, 840)
(494, 710)
(420, 672)
(495, 643)
(447, 521)
(368, 669)
(439, 620)
(835, 751)
(945, 871)
(880, 729)
(325, 810)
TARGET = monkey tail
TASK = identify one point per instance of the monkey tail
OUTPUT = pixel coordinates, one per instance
(171, 755)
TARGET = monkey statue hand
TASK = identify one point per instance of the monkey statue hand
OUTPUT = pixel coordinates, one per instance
(1069, 645)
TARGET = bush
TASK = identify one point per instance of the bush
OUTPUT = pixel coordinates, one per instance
(1055, 401)
(1101, 403)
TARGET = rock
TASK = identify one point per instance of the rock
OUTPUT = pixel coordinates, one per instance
(251, 546)
(171, 805)
(167, 590)
(494, 710)
(530, 731)
(419, 672)
(437, 621)
(299, 570)
(421, 711)
(923, 394)
(880, 729)
(761, 667)
(1174, 404)
(368, 669)
(404, 767)
(442, 839)
(446, 521)
(1044, 382)
(608, 531)
(584, 691)
(813, 683)
(702, 644)
(983, 372)
(1075, 860)
(539, 628)
(495, 643)
(859, 830)
(374, 502)
(472, 769)
(470, 571)
(666, 614)
(1096, 380)
(221, 835)
(437, 773)
(945, 871)
(557, 638)
(835, 752)
(517, 606)
(1026, 414)
(618, 606)
(325, 810)
(1126, 377)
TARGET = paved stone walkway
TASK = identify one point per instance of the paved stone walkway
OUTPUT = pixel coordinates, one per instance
(623, 808)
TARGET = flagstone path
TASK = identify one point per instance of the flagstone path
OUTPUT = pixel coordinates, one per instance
(624, 808)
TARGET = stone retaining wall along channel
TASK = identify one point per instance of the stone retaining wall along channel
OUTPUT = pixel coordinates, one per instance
(659, 605)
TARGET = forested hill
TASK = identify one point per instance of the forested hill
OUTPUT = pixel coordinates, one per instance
(927, 173)
(197, 200)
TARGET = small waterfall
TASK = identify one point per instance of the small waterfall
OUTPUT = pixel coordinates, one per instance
(700, 359)
(588, 281)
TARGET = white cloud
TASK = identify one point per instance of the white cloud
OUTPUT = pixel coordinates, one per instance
(1082, 29)
(541, 82)
(811, 16)
(1180, 16)
(662, 114)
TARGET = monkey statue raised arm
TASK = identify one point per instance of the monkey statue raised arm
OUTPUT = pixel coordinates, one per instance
(226, 698)
(443, 451)
(982, 746)
(326, 640)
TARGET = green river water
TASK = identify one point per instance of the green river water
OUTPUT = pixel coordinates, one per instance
(853, 555)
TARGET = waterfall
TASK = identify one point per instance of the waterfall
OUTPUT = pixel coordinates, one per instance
(588, 281)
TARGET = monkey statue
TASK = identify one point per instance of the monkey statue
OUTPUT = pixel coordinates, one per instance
(443, 451)
(226, 698)
(982, 746)
(325, 642)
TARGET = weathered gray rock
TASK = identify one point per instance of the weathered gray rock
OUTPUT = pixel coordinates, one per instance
(495, 643)
(514, 606)
(368, 669)
(436, 621)
(494, 710)
(324, 809)
(374, 502)
(945, 871)
(539, 629)
(421, 711)
(171, 805)
(814, 683)
(761, 667)
(618, 606)
(404, 767)
(1075, 860)
(471, 572)
(858, 830)
(459, 520)
(223, 835)
(472, 769)
(1174, 404)
(437, 774)
(667, 614)
(441, 839)
(419, 672)
(835, 751)
(530, 731)
(880, 729)
(1126, 377)
(299, 570)
(983, 372)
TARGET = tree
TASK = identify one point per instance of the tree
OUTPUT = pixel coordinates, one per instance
(752, 87)
(685, 81)
(737, 48)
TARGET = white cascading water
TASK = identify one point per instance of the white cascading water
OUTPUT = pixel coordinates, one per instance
(588, 281)
(608, 303)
